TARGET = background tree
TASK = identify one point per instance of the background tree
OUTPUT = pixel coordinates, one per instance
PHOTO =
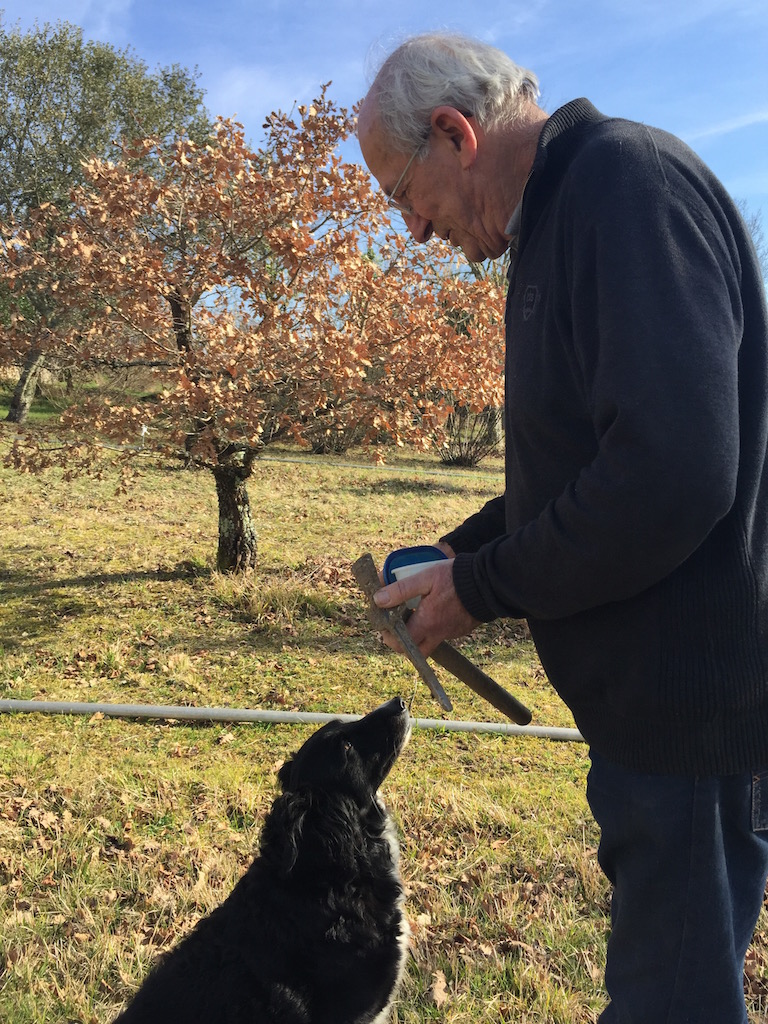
(470, 434)
(754, 221)
(261, 295)
(62, 100)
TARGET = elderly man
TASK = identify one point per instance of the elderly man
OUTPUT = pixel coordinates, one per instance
(633, 531)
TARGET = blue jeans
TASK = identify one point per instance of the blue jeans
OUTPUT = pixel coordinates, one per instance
(688, 861)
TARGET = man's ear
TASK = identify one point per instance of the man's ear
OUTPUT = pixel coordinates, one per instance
(450, 124)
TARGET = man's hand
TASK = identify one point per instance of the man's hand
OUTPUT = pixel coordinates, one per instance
(440, 614)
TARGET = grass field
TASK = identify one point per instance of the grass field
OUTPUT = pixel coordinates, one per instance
(116, 836)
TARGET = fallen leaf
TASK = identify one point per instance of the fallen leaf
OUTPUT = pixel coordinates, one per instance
(439, 990)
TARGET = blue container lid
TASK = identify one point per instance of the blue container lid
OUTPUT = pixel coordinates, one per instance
(410, 556)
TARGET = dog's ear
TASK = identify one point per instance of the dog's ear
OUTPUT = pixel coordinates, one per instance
(284, 775)
(307, 832)
(282, 829)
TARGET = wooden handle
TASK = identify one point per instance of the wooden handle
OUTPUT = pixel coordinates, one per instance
(477, 680)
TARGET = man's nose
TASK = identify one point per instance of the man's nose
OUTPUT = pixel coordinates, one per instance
(420, 227)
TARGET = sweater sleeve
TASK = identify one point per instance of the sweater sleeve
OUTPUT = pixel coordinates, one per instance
(651, 297)
(478, 529)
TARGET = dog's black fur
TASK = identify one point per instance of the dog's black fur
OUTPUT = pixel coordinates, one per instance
(314, 932)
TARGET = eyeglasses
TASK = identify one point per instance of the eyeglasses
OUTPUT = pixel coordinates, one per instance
(396, 204)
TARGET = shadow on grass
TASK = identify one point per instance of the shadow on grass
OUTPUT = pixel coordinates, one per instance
(32, 606)
(402, 486)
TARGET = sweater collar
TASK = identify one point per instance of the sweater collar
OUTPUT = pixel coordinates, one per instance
(576, 114)
(560, 133)
(557, 141)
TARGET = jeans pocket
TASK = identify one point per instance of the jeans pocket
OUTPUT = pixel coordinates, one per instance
(760, 801)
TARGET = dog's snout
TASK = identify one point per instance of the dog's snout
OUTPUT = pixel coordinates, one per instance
(396, 706)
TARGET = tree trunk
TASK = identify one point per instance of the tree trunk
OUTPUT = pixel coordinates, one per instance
(25, 391)
(237, 533)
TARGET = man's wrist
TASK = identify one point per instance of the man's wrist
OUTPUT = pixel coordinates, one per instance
(467, 590)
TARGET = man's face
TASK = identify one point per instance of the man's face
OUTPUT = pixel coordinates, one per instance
(444, 192)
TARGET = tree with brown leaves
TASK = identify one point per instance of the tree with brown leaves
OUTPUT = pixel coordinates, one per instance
(255, 295)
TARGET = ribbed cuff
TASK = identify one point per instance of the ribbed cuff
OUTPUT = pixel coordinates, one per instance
(453, 539)
(467, 590)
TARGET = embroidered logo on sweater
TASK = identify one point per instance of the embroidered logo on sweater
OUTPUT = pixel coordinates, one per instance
(530, 301)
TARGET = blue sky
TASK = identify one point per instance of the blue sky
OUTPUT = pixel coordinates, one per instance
(698, 68)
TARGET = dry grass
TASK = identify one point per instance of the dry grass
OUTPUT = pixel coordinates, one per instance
(116, 836)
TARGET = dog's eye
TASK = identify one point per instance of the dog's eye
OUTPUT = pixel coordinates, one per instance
(347, 746)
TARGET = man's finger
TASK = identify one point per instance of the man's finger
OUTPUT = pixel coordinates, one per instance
(404, 590)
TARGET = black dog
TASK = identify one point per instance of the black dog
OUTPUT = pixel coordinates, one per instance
(314, 932)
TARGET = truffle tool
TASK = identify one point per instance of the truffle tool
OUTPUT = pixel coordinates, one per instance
(391, 620)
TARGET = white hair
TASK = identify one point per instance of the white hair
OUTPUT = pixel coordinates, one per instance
(436, 69)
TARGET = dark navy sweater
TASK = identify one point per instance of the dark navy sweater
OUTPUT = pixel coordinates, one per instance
(633, 532)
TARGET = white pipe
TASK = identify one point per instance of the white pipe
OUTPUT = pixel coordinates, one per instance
(183, 713)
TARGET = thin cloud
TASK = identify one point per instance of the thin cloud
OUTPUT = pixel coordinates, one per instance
(249, 93)
(733, 124)
(98, 18)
